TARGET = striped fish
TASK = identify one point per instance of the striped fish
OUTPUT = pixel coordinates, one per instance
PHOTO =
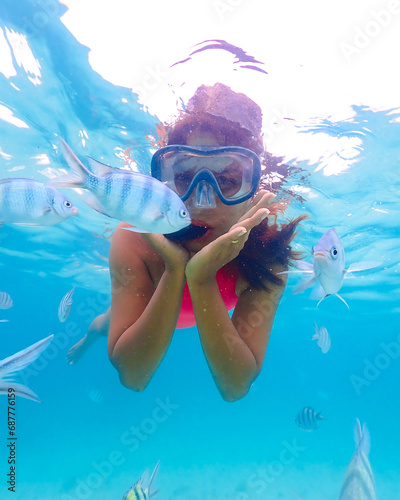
(13, 364)
(307, 419)
(5, 301)
(322, 337)
(358, 483)
(328, 268)
(30, 203)
(65, 306)
(139, 491)
(137, 199)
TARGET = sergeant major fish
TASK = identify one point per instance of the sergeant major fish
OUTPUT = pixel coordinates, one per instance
(328, 268)
(322, 337)
(358, 483)
(31, 203)
(139, 491)
(65, 306)
(131, 197)
(17, 362)
(307, 419)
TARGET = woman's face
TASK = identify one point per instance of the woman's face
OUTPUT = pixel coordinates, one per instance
(219, 219)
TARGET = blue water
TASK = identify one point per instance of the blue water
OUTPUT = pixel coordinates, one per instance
(92, 438)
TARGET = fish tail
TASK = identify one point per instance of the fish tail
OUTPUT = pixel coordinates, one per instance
(79, 175)
(152, 477)
(362, 438)
(19, 389)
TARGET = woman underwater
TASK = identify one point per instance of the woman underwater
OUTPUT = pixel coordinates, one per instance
(228, 258)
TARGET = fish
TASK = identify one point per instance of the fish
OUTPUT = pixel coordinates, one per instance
(141, 492)
(307, 419)
(13, 364)
(95, 395)
(26, 202)
(137, 199)
(5, 301)
(358, 483)
(328, 268)
(323, 338)
(65, 306)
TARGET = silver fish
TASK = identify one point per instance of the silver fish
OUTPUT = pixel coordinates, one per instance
(328, 268)
(141, 492)
(137, 199)
(358, 483)
(65, 306)
(31, 203)
(17, 362)
(322, 337)
(5, 301)
(307, 419)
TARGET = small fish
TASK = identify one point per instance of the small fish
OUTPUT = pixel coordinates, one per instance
(328, 268)
(5, 301)
(141, 492)
(358, 483)
(4, 320)
(307, 419)
(137, 199)
(26, 202)
(17, 362)
(95, 395)
(65, 306)
(323, 338)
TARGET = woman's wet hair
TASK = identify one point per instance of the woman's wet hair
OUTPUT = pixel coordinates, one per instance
(235, 120)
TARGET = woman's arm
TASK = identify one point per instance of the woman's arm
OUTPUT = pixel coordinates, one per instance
(234, 348)
(143, 317)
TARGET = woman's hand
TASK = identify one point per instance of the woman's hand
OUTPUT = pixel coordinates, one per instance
(174, 256)
(203, 266)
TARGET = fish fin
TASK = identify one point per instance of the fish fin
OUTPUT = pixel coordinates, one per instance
(99, 169)
(20, 390)
(303, 267)
(366, 440)
(135, 229)
(304, 284)
(324, 297)
(79, 173)
(362, 266)
(28, 224)
(159, 215)
(357, 433)
(319, 416)
(152, 477)
(22, 359)
(93, 202)
(342, 299)
(316, 335)
(318, 292)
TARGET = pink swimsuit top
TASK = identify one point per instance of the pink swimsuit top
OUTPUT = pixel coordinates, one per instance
(226, 280)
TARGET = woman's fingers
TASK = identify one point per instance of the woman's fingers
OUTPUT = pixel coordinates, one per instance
(263, 199)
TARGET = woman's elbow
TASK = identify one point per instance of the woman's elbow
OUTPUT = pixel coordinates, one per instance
(128, 377)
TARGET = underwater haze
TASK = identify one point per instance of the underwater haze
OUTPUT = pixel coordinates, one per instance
(91, 438)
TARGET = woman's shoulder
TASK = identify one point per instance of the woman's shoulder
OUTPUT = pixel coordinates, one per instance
(127, 247)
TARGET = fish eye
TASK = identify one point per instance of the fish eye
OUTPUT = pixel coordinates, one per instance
(68, 204)
(334, 253)
(183, 213)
